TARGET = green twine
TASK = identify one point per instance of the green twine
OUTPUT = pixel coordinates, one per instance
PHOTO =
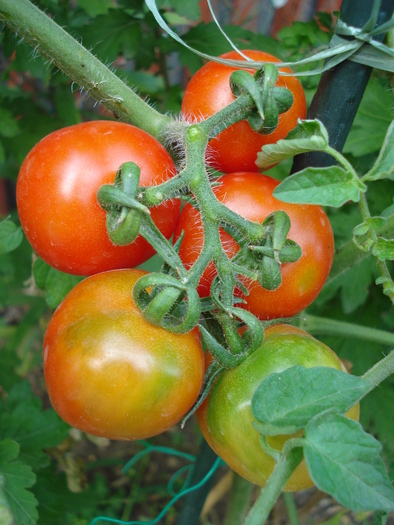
(170, 487)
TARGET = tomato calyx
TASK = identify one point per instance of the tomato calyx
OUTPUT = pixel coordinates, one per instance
(265, 257)
(269, 100)
(170, 304)
(123, 210)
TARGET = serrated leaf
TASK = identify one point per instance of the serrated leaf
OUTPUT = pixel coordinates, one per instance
(383, 249)
(344, 461)
(11, 236)
(308, 135)
(296, 395)
(33, 428)
(118, 34)
(329, 186)
(17, 478)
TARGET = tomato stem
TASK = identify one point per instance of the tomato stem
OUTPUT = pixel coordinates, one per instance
(320, 325)
(380, 371)
(54, 43)
(291, 457)
(291, 508)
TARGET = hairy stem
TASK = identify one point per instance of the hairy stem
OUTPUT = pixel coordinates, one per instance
(379, 372)
(61, 49)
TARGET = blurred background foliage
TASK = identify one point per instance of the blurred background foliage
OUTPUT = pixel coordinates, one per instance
(68, 477)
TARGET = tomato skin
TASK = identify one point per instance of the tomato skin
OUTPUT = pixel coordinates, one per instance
(225, 418)
(109, 372)
(236, 148)
(250, 195)
(56, 195)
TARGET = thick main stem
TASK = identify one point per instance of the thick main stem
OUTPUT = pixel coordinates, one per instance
(54, 43)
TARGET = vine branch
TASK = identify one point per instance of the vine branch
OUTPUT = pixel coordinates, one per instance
(62, 50)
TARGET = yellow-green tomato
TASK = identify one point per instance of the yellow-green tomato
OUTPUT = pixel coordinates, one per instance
(225, 418)
(109, 372)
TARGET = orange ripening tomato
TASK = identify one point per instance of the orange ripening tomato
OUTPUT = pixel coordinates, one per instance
(236, 148)
(250, 195)
(56, 195)
(111, 373)
(225, 418)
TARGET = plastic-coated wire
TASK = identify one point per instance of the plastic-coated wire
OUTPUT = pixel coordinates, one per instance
(170, 486)
(215, 466)
(152, 448)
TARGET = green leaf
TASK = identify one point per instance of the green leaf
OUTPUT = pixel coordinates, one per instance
(57, 286)
(308, 135)
(384, 164)
(11, 236)
(96, 7)
(16, 478)
(329, 186)
(371, 122)
(6, 517)
(40, 273)
(113, 34)
(296, 395)
(33, 428)
(383, 249)
(344, 461)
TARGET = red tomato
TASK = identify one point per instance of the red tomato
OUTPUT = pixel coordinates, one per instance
(56, 195)
(250, 195)
(225, 418)
(236, 148)
(109, 372)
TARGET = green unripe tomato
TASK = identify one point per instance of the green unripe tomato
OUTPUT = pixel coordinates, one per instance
(225, 418)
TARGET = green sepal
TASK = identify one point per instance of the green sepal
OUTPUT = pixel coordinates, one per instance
(284, 99)
(123, 228)
(212, 373)
(171, 304)
(123, 210)
(278, 224)
(243, 82)
(290, 252)
(269, 275)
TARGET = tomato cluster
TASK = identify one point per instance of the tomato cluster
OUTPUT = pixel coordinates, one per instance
(108, 371)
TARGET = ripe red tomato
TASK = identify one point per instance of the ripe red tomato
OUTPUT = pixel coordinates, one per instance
(225, 418)
(56, 195)
(250, 195)
(236, 148)
(109, 372)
